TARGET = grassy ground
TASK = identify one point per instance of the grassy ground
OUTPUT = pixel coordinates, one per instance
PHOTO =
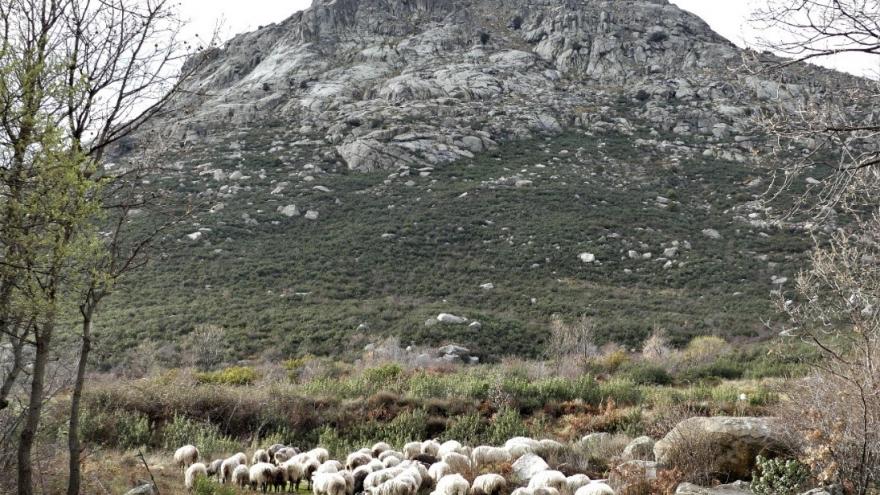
(391, 255)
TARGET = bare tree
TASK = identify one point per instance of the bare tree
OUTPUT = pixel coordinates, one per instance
(77, 77)
(832, 144)
(571, 341)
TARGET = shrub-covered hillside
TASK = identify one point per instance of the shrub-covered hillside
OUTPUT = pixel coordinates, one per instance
(669, 230)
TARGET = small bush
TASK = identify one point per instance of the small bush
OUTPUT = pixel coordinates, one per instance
(205, 486)
(648, 374)
(779, 476)
(466, 428)
(383, 374)
(506, 425)
(236, 375)
(705, 348)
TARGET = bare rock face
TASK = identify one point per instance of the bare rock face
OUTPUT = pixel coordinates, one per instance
(734, 442)
(379, 84)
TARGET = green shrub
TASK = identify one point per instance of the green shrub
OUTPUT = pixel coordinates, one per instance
(405, 427)
(779, 476)
(383, 374)
(467, 428)
(115, 428)
(206, 486)
(506, 425)
(647, 374)
(182, 430)
(236, 375)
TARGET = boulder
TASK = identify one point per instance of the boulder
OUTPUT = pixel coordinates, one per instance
(527, 466)
(640, 448)
(311, 215)
(451, 319)
(735, 488)
(734, 442)
(596, 438)
(289, 210)
(712, 233)
(145, 488)
(587, 257)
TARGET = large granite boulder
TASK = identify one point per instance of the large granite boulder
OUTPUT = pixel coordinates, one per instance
(731, 442)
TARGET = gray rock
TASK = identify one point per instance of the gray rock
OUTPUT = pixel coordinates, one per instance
(587, 257)
(289, 210)
(735, 488)
(146, 488)
(711, 233)
(311, 215)
(734, 442)
(451, 319)
(640, 448)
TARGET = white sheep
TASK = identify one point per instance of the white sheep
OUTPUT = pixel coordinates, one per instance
(349, 481)
(228, 467)
(331, 466)
(356, 459)
(320, 454)
(575, 481)
(186, 456)
(309, 465)
(391, 453)
(260, 456)
(452, 484)
(458, 463)
(412, 449)
(431, 447)
(548, 479)
(545, 490)
(194, 472)
(517, 446)
(294, 472)
(391, 461)
(242, 458)
(595, 488)
(376, 465)
(488, 484)
(485, 455)
(425, 479)
(283, 454)
(551, 445)
(521, 491)
(379, 448)
(328, 484)
(261, 475)
(449, 446)
(214, 467)
(376, 478)
(275, 447)
(240, 476)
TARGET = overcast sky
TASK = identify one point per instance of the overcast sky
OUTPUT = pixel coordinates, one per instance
(727, 17)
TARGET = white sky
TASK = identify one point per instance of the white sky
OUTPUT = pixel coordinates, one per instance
(727, 17)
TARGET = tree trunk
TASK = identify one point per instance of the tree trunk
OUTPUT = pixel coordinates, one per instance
(35, 407)
(73, 441)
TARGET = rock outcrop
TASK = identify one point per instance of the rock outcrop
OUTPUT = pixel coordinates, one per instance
(733, 442)
(376, 84)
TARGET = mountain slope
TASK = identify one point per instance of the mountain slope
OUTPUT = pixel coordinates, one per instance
(370, 164)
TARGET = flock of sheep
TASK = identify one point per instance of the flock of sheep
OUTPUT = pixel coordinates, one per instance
(449, 468)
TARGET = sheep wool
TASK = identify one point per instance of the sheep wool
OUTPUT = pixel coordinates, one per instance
(452, 484)
(228, 467)
(439, 470)
(517, 446)
(275, 447)
(186, 455)
(214, 467)
(349, 481)
(194, 472)
(240, 476)
(294, 472)
(283, 454)
(328, 484)
(431, 447)
(390, 461)
(390, 453)
(261, 474)
(575, 481)
(412, 449)
(379, 448)
(595, 489)
(485, 455)
(242, 458)
(548, 479)
(356, 459)
(320, 454)
(545, 490)
(331, 466)
(449, 446)
(488, 484)
(260, 456)
(458, 463)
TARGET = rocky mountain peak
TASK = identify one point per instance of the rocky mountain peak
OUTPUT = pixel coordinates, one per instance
(383, 83)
